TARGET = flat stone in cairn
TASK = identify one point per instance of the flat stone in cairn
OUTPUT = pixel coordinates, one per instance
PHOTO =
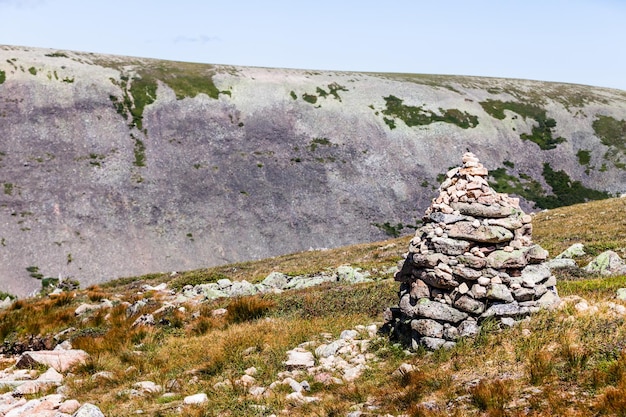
(473, 259)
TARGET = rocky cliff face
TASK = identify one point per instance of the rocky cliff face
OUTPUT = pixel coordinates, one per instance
(116, 166)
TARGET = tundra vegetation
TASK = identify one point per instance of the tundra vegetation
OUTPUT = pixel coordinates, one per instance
(612, 133)
(542, 129)
(564, 190)
(418, 116)
(561, 362)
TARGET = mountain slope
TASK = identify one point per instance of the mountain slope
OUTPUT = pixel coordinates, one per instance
(116, 166)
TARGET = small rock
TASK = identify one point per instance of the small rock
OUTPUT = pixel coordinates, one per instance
(144, 320)
(69, 406)
(299, 358)
(299, 398)
(507, 321)
(257, 391)
(348, 334)
(404, 369)
(574, 251)
(148, 387)
(247, 381)
(196, 399)
(88, 410)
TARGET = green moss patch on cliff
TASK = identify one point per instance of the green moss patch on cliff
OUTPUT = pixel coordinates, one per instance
(541, 133)
(522, 185)
(612, 133)
(3, 76)
(333, 88)
(139, 82)
(565, 192)
(418, 116)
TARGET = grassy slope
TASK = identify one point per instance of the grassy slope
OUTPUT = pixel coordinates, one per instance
(558, 363)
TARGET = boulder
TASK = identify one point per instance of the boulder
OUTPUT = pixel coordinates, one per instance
(574, 251)
(60, 360)
(607, 263)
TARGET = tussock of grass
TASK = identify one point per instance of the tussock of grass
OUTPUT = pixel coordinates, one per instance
(491, 396)
(599, 225)
(248, 308)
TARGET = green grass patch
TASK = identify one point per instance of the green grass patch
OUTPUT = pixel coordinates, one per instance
(186, 79)
(584, 156)
(321, 92)
(3, 76)
(315, 143)
(417, 116)
(140, 152)
(309, 98)
(390, 122)
(33, 271)
(394, 230)
(4, 295)
(196, 277)
(524, 185)
(566, 192)
(541, 133)
(143, 91)
(33, 70)
(612, 132)
(334, 90)
(332, 299)
(57, 55)
(604, 287)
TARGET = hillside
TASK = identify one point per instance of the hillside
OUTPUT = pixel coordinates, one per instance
(118, 166)
(568, 361)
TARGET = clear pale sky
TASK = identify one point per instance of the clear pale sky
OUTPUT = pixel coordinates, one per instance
(572, 41)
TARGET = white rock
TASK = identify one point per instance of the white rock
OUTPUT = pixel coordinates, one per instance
(293, 384)
(403, 369)
(51, 375)
(353, 373)
(349, 334)
(246, 380)
(484, 281)
(69, 406)
(299, 398)
(148, 387)
(196, 399)
(61, 360)
(299, 358)
(88, 410)
(250, 371)
(257, 391)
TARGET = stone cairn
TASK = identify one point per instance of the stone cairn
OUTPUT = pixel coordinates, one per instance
(472, 260)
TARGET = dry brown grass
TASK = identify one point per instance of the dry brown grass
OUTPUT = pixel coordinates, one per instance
(248, 308)
(599, 225)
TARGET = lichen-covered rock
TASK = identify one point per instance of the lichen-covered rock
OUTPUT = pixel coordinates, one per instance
(607, 263)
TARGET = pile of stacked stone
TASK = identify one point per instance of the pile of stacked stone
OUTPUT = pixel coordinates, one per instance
(472, 260)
